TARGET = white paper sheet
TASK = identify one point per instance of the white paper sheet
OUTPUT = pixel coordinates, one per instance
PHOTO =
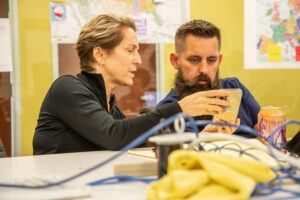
(5, 47)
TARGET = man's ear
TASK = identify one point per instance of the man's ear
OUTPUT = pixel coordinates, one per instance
(99, 55)
(220, 59)
(173, 60)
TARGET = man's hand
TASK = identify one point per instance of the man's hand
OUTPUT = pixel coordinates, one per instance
(221, 129)
(210, 102)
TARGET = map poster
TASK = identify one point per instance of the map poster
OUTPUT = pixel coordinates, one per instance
(156, 20)
(272, 34)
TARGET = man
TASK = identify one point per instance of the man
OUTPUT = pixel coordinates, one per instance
(197, 59)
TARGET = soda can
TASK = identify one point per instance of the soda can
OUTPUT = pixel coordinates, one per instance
(269, 118)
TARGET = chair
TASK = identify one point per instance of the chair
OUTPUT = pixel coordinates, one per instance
(4, 127)
(2, 151)
(293, 145)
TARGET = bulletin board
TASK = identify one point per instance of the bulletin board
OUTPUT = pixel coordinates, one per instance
(154, 22)
(155, 27)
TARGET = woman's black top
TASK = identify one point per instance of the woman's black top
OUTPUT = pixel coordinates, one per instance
(74, 117)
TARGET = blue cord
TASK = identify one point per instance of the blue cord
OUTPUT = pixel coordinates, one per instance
(267, 189)
(240, 127)
(193, 124)
(139, 141)
(285, 198)
(131, 145)
(262, 189)
(121, 179)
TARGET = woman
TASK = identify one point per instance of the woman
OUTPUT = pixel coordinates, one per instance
(79, 113)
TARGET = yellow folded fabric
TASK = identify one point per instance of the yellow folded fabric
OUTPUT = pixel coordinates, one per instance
(209, 175)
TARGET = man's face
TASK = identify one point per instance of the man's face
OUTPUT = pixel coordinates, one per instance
(198, 63)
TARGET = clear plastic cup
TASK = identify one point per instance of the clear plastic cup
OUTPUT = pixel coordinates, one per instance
(230, 113)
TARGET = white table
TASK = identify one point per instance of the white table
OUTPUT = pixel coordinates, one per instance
(58, 166)
(63, 165)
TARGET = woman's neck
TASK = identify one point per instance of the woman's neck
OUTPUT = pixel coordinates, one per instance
(109, 86)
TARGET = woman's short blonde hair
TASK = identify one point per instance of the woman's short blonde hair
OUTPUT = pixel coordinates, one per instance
(103, 31)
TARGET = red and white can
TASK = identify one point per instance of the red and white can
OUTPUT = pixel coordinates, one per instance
(269, 118)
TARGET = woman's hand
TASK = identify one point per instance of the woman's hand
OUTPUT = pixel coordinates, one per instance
(210, 102)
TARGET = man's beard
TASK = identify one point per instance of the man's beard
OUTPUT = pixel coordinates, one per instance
(183, 88)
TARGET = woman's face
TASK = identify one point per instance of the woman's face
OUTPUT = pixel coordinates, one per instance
(121, 63)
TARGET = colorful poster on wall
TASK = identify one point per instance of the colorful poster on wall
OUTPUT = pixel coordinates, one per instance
(58, 19)
(156, 21)
(5, 47)
(272, 34)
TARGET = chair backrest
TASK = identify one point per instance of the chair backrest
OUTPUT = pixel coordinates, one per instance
(2, 151)
(4, 127)
(293, 145)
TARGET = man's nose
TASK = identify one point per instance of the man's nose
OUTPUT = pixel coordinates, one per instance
(203, 67)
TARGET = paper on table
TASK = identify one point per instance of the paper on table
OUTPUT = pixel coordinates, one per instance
(55, 193)
(145, 152)
(5, 47)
